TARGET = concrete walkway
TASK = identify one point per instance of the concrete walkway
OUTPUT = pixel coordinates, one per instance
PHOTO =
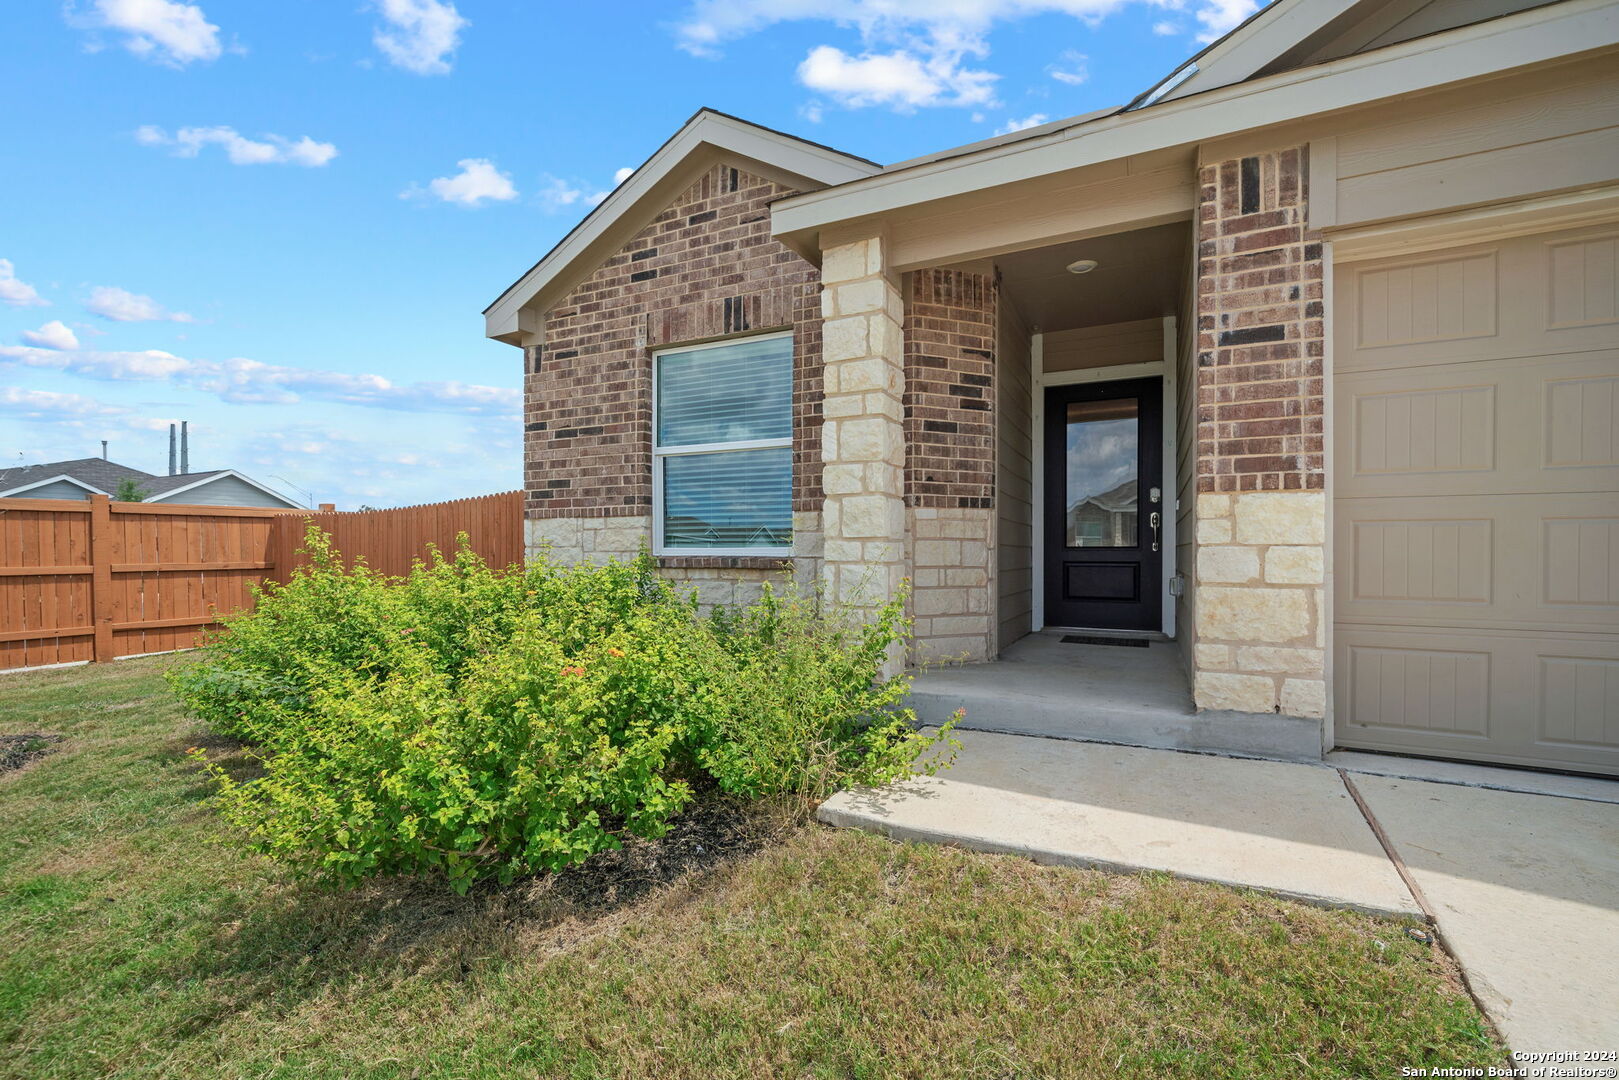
(1525, 887)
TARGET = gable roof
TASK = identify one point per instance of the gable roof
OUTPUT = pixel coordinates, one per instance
(94, 474)
(168, 488)
(1288, 34)
(706, 139)
(102, 477)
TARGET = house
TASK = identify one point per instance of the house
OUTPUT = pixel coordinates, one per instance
(1332, 311)
(83, 477)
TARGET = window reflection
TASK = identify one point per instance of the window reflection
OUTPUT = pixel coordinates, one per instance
(1103, 441)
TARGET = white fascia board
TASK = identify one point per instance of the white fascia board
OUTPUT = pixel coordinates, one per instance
(1530, 37)
(91, 488)
(813, 165)
(169, 496)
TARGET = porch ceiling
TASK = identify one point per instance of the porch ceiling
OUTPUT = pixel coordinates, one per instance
(1140, 274)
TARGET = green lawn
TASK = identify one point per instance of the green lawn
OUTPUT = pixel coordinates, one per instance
(132, 943)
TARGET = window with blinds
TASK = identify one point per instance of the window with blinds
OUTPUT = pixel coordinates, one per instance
(722, 447)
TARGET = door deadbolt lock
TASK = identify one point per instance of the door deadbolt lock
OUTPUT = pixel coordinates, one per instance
(1155, 496)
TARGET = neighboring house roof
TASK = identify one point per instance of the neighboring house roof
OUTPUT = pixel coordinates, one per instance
(101, 477)
(95, 474)
(59, 478)
(1114, 500)
(705, 139)
(170, 488)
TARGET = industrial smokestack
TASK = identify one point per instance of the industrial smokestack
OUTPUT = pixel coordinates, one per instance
(103, 449)
(185, 448)
(171, 450)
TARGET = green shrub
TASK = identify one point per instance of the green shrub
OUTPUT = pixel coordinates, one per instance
(477, 723)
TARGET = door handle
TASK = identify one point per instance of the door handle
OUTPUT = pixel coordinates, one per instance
(1154, 520)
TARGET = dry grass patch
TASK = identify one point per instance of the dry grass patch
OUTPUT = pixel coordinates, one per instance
(746, 944)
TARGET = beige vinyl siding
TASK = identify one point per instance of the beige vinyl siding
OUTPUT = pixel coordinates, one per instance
(1139, 342)
(1476, 501)
(1014, 553)
(1545, 131)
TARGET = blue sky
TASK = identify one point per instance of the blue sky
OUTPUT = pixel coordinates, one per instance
(282, 221)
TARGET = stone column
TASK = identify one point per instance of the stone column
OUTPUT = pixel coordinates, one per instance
(863, 434)
(1260, 596)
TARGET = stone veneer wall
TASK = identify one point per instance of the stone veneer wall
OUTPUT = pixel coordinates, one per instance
(1260, 615)
(705, 268)
(863, 433)
(951, 552)
(716, 580)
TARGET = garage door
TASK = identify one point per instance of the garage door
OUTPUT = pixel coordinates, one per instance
(1476, 502)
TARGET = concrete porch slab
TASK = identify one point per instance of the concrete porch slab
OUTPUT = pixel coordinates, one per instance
(1132, 696)
(1287, 828)
(1525, 889)
(1468, 774)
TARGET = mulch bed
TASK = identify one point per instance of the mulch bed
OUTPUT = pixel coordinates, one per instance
(19, 750)
(706, 834)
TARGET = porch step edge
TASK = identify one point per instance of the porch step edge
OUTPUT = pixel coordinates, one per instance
(1262, 735)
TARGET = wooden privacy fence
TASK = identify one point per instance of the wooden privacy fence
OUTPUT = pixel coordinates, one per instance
(390, 540)
(98, 580)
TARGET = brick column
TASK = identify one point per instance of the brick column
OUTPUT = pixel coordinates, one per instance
(862, 433)
(950, 461)
(1259, 602)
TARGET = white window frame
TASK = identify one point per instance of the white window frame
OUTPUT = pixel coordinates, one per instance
(659, 453)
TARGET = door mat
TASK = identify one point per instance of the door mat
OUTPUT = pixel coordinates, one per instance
(1087, 639)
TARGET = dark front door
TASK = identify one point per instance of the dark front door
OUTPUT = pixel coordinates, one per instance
(1104, 505)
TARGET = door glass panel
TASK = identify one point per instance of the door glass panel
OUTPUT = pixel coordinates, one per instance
(1103, 464)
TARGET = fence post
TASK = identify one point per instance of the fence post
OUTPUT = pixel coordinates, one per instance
(101, 575)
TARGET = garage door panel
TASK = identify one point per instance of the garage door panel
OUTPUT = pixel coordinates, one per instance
(1546, 700)
(1521, 424)
(1579, 702)
(1520, 296)
(1528, 561)
(1476, 502)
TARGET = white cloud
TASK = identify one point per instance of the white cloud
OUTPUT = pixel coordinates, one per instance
(621, 175)
(1166, 28)
(556, 194)
(275, 150)
(1033, 120)
(53, 335)
(243, 381)
(18, 293)
(477, 181)
(46, 404)
(912, 51)
(121, 305)
(419, 35)
(162, 31)
(1219, 16)
(902, 79)
(1070, 68)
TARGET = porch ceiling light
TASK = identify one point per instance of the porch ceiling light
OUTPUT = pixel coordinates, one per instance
(1082, 266)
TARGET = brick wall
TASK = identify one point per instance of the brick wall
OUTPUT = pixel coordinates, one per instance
(949, 390)
(705, 267)
(1259, 395)
(1259, 616)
